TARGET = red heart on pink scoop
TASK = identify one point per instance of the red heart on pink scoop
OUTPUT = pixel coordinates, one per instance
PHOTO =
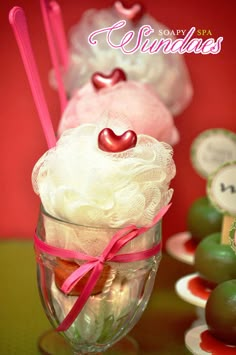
(100, 80)
(110, 142)
(133, 13)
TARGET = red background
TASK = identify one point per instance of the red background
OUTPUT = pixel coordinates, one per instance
(22, 141)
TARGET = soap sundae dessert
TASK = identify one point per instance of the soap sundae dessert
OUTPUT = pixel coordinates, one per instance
(95, 182)
(136, 102)
(104, 190)
(167, 74)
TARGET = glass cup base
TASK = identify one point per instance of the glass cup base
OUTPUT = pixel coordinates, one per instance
(52, 343)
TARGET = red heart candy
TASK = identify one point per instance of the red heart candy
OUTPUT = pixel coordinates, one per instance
(110, 142)
(133, 13)
(100, 80)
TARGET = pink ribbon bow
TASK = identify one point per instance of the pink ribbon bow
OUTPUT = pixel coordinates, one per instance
(121, 238)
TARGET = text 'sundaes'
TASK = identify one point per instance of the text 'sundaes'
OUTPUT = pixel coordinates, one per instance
(132, 41)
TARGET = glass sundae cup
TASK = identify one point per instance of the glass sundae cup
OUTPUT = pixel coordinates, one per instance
(120, 294)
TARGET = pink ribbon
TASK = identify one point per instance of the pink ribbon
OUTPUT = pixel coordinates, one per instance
(118, 241)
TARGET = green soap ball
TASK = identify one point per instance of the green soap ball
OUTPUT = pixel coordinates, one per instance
(203, 219)
(214, 261)
(220, 312)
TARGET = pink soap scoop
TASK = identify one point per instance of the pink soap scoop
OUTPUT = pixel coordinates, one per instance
(135, 102)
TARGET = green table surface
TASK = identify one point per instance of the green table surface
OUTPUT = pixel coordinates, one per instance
(160, 330)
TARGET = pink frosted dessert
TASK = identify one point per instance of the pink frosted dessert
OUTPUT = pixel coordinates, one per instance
(166, 73)
(136, 103)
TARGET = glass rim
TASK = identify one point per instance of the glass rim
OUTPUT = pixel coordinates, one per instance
(62, 221)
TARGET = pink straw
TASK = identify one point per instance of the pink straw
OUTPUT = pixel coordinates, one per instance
(50, 17)
(59, 32)
(18, 22)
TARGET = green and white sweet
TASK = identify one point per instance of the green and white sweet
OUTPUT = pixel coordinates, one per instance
(214, 261)
(221, 312)
(203, 219)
